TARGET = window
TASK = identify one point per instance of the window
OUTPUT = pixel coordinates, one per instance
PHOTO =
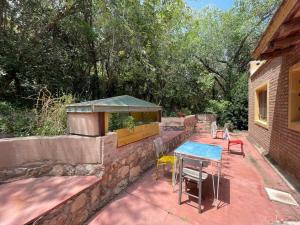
(262, 105)
(294, 97)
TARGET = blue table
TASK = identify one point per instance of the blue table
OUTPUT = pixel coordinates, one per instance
(202, 151)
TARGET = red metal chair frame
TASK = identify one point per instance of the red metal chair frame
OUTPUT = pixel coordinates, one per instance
(236, 142)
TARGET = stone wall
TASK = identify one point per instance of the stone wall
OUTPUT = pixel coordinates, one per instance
(187, 123)
(206, 117)
(76, 210)
(121, 166)
(72, 155)
(49, 168)
(190, 123)
(204, 122)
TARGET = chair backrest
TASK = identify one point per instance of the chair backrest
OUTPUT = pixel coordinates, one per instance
(159, 147)
(226, 125)
(226, 134)
(195, 163)
(214, 128)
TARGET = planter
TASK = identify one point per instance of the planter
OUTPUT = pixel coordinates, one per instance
(127, 136)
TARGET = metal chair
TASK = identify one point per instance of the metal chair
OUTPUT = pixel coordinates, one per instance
(218, 131)
(192, 172)
(162, 159)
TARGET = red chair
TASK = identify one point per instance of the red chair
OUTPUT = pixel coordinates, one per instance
(234, 142)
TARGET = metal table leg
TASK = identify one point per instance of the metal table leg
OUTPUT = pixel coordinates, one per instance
(174, 173)
(218, 185)
(180, 181)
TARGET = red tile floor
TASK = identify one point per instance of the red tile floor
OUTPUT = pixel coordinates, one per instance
(243, 199)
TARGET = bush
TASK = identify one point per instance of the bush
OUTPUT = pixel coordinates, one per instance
(121, 120)
(234, 112)
(217, 107)
(16, 121)
(186, 111)
(51, 115)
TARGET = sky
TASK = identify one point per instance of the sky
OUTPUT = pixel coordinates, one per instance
(199, 4)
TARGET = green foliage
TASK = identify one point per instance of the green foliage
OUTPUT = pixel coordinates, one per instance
(129, 122)
(121, 120)
(48, 119)
(160, 51)
(16, 121)
(217, 107)
(234, 113)
(52, 119)
(237, 112)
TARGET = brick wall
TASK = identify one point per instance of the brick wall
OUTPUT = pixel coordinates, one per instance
(282, 143)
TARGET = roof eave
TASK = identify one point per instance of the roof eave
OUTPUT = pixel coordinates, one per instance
(112, 109)
(281, 14)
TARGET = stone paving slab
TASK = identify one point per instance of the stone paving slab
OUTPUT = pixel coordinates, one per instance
(25, 200)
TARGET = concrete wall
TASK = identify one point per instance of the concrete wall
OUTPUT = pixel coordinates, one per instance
(281, 143)
(84, 124)
(61, 149)
(178, 123)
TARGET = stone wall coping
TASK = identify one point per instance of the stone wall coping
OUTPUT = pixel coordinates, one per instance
(45, 138)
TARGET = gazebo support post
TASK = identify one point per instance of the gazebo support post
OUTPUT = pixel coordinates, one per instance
(103, 123)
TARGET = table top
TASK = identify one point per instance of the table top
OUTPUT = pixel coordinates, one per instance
(200, 150)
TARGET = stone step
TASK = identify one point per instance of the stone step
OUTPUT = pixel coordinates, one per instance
(48, 200)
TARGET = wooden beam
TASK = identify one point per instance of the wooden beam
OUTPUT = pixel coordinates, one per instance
(159, 113)
(102, 123)
(289, 28)
(283, 12)
(276, 53)
(286, 42)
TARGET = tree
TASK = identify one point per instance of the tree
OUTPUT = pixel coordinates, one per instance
(161, 51)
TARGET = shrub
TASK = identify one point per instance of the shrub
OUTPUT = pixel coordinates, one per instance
(234, 112)
(186, 111)
(121, 120)
(217, 107)
(16, 121)
(51, 116)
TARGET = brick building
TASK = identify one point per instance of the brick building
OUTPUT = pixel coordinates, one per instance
(274, 89)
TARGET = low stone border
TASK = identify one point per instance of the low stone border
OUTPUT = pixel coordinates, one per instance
(48, 168)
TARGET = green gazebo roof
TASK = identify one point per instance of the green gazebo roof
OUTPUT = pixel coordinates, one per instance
(123, 103)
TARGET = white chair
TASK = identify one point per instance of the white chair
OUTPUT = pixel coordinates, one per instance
(213, 129)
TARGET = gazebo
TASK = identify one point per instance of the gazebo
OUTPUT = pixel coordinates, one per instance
(91, 118)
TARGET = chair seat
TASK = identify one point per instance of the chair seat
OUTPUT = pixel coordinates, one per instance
(236, 142)
(167, 159)
(193, 174)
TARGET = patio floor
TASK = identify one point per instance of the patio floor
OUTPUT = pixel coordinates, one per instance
(243, 199)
